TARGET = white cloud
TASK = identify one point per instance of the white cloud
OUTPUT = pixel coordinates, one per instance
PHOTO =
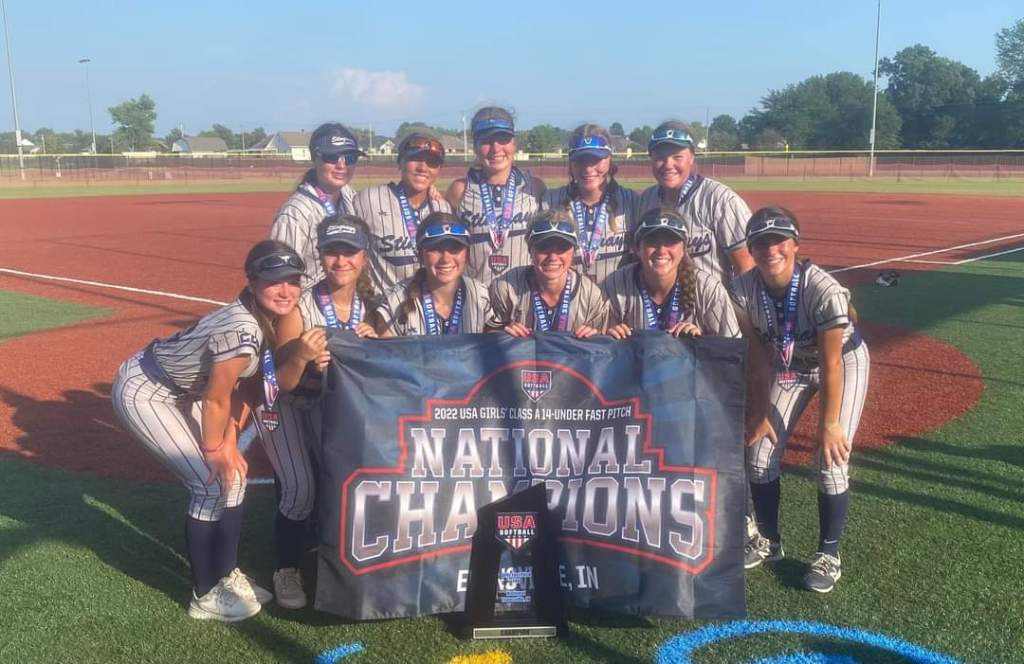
(380, 90)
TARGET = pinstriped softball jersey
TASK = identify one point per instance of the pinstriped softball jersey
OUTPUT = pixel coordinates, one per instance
(614, 251)
(475, 314)
(486, 262)
(512, 301)
(167, 416)
(295, 224)
(713, 311)
(716, 221)
(822, 304)
(393, 256)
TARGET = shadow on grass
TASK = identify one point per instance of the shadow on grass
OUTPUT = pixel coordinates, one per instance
(133, 527)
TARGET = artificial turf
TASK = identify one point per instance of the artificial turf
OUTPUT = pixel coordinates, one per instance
(92, 569)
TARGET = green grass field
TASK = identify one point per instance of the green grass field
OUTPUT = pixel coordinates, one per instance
(964, 186)
(24, 314)
(93, 570)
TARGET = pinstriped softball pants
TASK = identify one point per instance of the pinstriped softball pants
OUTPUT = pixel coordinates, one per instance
(171, 429)
(288, 449)
(764, 460)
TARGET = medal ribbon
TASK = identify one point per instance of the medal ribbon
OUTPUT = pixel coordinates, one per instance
(270, 389)
(326, 304)
(670, 315)
(499, 226)
(409, 216)
(591, 233)
(784, 342)
(540, 310)
(318, 194)
(434, 327)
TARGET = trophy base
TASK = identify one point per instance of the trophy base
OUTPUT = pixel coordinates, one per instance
(515, 632)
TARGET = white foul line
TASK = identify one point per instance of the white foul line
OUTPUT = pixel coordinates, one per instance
(981, 258)
(927, 253)
(101, 284)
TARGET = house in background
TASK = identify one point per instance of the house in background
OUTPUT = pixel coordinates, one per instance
(294, 144)
(382, 145)
(198, 145)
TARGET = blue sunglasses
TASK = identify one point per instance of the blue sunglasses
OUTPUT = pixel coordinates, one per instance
(673, 136)
(590, 144)
(545, 228)
(446, 230)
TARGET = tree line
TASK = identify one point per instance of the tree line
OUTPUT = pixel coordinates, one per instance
(928, 102)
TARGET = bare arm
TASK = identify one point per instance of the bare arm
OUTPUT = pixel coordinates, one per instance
(456, 190)
(741, 259)
(759, 381)
(834, 445)
(220, 446)
(297, 348)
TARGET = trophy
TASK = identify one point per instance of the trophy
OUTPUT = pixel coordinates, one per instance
(513, 589)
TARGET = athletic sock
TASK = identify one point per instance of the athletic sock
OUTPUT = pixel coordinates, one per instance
(199, 540)
(766, 507)
(831, 521)
(290, 540)
(229, 532)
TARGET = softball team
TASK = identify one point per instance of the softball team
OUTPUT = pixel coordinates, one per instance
(497, 253)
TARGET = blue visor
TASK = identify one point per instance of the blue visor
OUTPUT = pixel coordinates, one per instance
(488, 126)
(678, 137)
(342, 233)
(595, 146)
(439, 232)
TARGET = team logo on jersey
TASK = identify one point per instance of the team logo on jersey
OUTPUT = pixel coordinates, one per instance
(699, 244)
(516, 529)
(535, 383)
(498, 263)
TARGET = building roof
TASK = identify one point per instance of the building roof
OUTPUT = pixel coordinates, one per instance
(294, 139)
(204, 143)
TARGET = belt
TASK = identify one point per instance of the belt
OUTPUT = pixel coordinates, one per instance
(855, 341)
(155, 372)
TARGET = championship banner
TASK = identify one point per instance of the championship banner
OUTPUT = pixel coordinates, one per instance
(638, 442)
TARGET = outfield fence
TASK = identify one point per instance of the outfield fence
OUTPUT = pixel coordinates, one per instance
(155, 167)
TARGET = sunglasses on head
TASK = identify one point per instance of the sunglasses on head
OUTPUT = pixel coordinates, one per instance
(275, 261)
(589, 143)
(545, 228)
(350, 158)
(446, 230)
(500, 139)
(775, 224)
(654, 223)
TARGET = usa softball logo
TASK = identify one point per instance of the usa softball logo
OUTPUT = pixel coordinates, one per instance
(535, 383)
(516, 529)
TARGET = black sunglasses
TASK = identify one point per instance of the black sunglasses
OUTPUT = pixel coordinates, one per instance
(275, 261)
(349, 157)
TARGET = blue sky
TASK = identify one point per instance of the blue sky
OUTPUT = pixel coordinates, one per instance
(293, 66)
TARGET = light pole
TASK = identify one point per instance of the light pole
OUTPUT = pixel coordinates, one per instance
(874, 103)
(88, 99)
(14, 99)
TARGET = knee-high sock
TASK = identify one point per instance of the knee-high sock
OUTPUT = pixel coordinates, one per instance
(290, 540)
(200, 537)
(229, 532)
(766, 507)
(831, 521)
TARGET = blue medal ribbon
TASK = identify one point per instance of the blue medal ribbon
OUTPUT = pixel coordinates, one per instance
(670, 315)
(592, 227)
(326, 304)
(430, 317)
(687, 190)
(542, 321)
(499, 226)
(270, 388)
(786, 341)
(319, 195)
(409, 216)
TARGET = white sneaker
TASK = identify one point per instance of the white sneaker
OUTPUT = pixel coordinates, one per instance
(288, 587)
(222, 604)
(243, 585)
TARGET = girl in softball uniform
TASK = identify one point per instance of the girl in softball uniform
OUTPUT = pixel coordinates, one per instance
(440, 298)
(340, 301)
(804, 341)
(603, 210)
(496, 200)
(394, 211)
(323, 191)
(664, 291)
(549, 295)
(180, 397)
(715, 214)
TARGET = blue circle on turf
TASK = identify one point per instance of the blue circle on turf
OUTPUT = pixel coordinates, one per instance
(678, 649)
